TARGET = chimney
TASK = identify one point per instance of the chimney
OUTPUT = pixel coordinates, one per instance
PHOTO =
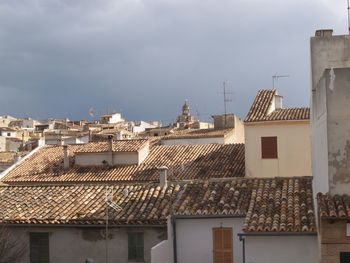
(60, 141)
(163, 176)
(110, 150)
(324, 33)
(66, 157)
(16, 158)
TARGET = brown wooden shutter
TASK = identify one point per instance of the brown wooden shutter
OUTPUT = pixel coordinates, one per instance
(222, 245)
(269, 147)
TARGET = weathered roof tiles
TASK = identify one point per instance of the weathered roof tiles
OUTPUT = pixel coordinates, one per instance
(259, 110)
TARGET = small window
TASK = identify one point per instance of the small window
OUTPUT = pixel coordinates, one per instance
(269, 147)
(135, 246)
(39, 247)
(8, 134)
(344, 257)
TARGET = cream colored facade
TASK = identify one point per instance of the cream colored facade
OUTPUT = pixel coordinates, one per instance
(293, 149)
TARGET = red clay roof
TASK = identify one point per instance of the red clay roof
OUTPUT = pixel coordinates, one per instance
(185, 162)
(261, 105)
(277, 205)
(281, 205)
(335, 207)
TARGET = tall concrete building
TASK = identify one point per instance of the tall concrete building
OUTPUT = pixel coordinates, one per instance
(330, 66)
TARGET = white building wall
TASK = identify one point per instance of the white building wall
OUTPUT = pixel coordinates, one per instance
(286, 249)
(194, 239)
(293, 146)
(160, 252)
(213, 140)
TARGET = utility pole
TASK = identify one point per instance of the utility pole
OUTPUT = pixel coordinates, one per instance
(276, 77)
(348, 16)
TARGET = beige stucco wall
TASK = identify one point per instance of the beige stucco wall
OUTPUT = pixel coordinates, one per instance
(293, 146)
(74, 244)
(86, 159)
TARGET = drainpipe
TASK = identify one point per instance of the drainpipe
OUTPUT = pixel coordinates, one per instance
(242, 238)
(174, 238)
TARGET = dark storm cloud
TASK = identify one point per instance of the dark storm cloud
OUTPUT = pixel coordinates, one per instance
(145, 57)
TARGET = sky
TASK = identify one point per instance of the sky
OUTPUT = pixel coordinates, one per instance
(144, 58)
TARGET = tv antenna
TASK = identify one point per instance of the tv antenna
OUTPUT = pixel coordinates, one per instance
(226, 99)
(348, 16)
(276, 77)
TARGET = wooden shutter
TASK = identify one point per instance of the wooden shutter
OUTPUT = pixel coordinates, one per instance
(39, 247)
(222, 245)
(269, 147)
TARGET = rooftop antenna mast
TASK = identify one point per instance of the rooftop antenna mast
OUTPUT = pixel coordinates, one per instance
(226, 99)
(348, 16)
(276, 77)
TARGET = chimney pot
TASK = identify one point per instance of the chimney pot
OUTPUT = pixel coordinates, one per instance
(66, 157)
(110, 150)
(324, 33)
(163, 176)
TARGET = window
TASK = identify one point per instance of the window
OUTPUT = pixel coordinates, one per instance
(135, 246)
(8, 134)
(222, 245)
(344, 257)
(269, 147)
(39, 247)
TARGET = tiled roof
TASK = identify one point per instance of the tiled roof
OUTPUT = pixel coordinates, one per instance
(186, 162)
(118, 146)
(281, 205)
(198, 133)
(151, 204)
(261, 104)
(336, 207)
(139, 204)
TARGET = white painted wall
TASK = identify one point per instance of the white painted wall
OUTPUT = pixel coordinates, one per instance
(9, 134)
(293, 146)
(284, 249)
(194, 239)
(159, 253)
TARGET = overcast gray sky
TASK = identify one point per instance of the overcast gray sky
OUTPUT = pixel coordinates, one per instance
(145, 57)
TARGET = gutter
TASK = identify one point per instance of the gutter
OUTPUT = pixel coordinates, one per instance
(4, 173)
(173, 221)
(275, 234)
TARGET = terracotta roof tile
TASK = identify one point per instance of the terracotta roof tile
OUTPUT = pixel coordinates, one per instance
(261, 104)
(336, 207)
(270, 205)
(186, 162)
(281, 205)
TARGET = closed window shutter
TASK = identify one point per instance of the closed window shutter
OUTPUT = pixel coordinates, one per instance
(269, 147)
(135, 246)
(39, 247)
(222, 245)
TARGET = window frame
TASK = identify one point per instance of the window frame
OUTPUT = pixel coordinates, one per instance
(269, 151)
(33, 246)
(138, 255)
